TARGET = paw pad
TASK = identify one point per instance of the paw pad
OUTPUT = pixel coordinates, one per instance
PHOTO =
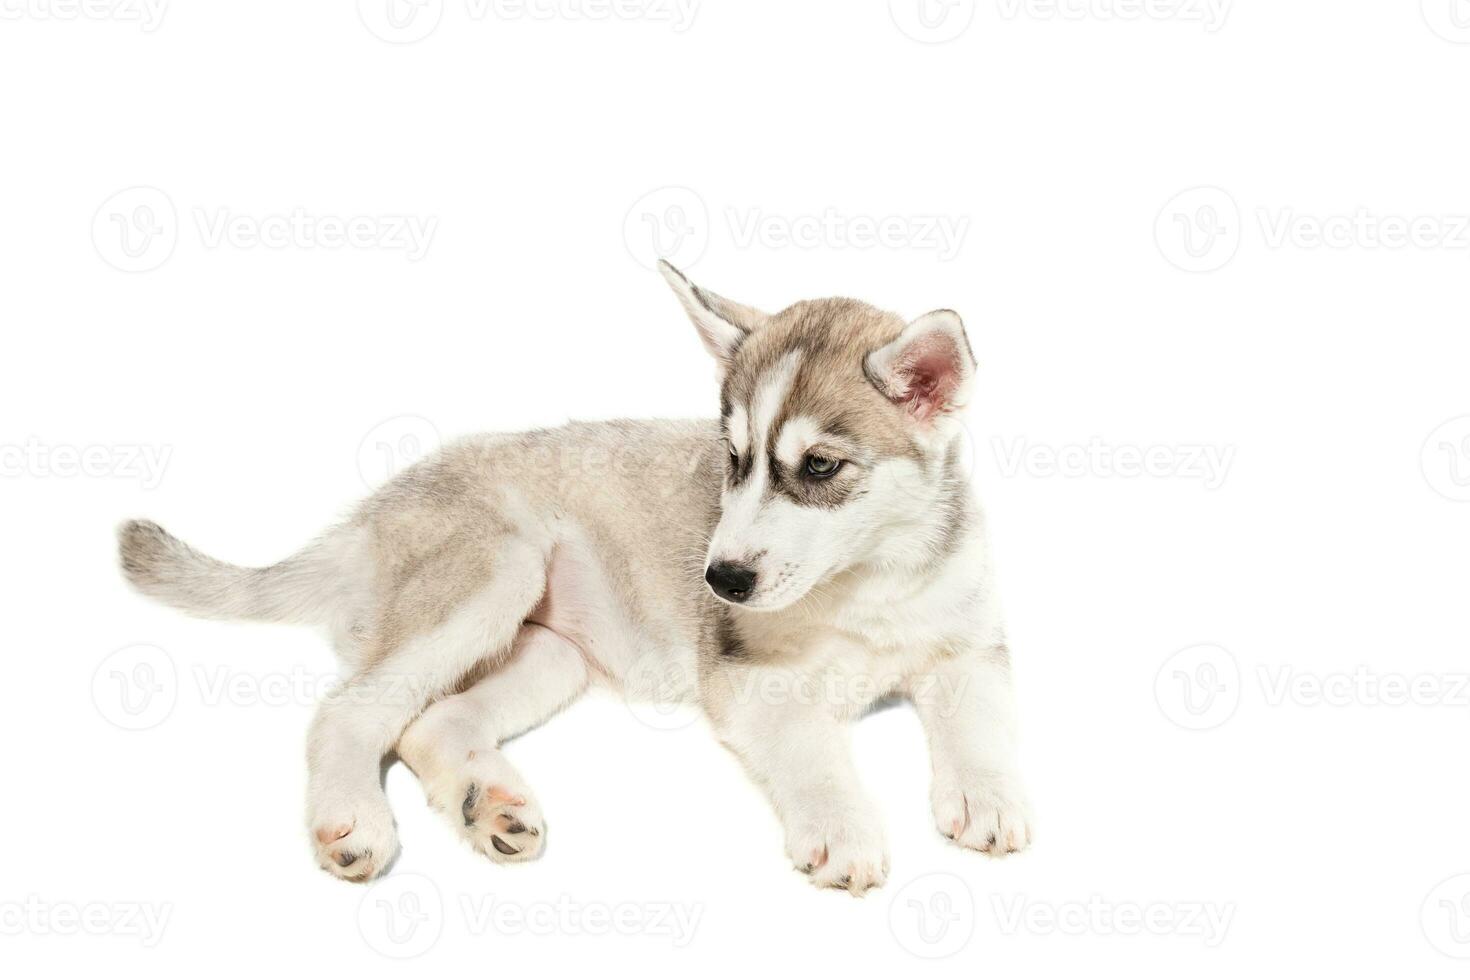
(500, 823)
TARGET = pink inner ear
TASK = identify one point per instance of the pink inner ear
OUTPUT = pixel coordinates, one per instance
(928, 372)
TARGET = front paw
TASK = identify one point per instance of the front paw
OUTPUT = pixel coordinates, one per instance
(354, 839)
(839, 851)
(987, 813)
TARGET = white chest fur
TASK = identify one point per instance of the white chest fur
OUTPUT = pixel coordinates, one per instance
(871, 633)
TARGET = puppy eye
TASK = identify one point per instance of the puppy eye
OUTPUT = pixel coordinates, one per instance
(820, 467)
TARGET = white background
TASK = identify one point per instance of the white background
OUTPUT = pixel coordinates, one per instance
(276, 378)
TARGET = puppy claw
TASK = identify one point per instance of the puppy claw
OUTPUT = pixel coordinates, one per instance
(326, 835)
(841, 853)
(986, 815)
(359, 848)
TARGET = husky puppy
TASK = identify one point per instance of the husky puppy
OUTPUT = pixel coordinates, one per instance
(813, 551)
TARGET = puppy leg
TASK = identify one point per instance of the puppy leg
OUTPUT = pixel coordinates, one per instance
(801, 755)
(351, 825)
(454, 747)
(967, 710)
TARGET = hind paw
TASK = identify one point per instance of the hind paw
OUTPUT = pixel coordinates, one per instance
(501, 821)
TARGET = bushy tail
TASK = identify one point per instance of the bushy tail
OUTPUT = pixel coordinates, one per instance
(302, 589)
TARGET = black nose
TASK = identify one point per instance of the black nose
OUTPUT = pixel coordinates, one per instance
(730, 581)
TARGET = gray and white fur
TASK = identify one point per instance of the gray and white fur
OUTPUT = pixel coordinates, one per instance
(812, 552)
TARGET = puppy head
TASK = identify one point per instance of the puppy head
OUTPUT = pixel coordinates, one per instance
(840, 425)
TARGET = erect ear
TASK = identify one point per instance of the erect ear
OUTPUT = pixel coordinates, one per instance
(928, 369)
(722, 324)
